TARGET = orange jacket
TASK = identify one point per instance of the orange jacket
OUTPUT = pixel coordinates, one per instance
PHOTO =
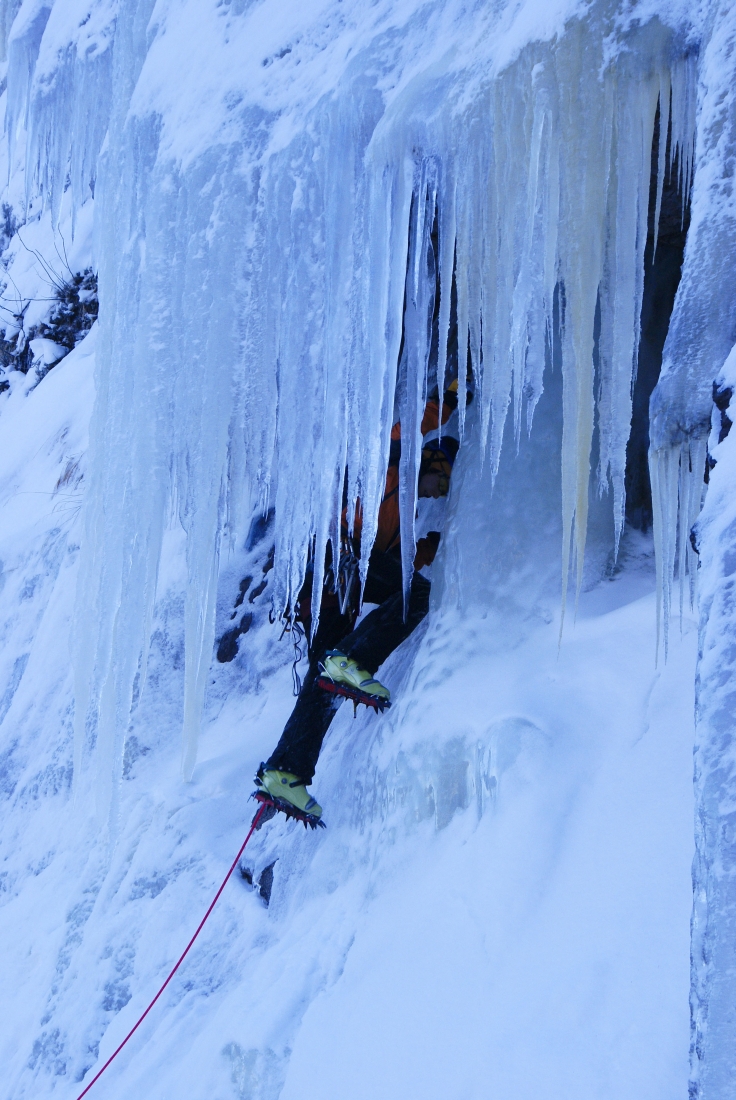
(430, 420)
(388, 534)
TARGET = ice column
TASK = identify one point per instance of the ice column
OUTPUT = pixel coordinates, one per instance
(412, 381)
(701, 334)
(703, 324)
(713, 950)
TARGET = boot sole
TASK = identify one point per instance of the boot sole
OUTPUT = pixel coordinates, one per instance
(281, 806)
(375, 702)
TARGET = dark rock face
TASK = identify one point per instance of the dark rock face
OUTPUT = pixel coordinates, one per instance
(264, 884)
(662, 271)
(227, 648)
(721, 399)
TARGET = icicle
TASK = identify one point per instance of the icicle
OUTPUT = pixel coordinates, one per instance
(446, 261)
(527, 331)
(691, 492)
(420, 294)
(462, 273)
(665, 96)
(387, 220)
(583, 190)
(677, 478)
(622, 286)
(684, 104)
(663, 474)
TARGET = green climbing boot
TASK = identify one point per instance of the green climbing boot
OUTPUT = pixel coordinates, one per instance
(286, 787)
(344, 670)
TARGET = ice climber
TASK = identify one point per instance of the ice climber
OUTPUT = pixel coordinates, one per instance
(346, 658)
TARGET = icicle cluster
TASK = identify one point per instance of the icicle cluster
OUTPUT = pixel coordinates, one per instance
(539, 180)
(267, 300)
(703, 321)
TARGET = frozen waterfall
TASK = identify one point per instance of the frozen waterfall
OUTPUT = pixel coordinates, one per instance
(253, 291)
(302, 236)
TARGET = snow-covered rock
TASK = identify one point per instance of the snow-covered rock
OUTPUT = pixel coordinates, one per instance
(46, 352)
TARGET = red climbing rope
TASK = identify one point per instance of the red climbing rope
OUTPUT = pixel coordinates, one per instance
(183, 955)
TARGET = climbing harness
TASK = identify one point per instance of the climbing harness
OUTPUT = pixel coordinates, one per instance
(297, 637)
(291, 626)
(345, 579)
(254, 825)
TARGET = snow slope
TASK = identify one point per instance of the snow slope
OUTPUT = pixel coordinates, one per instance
(499, 905)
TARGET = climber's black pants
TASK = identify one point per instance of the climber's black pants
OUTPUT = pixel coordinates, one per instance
(370, 644)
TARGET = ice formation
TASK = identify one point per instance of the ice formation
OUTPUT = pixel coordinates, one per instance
(699, 341)
(299, 239)
(275, 263)
(703, 322)
(714, 910)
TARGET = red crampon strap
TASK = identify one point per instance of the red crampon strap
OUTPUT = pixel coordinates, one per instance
(376, 702)
(278, 805)
(185, 952)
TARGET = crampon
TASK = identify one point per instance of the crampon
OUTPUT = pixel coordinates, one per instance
(375, 701)
(278, 805)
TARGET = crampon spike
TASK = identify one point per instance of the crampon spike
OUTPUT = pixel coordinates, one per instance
(376, 702)
(277, 805)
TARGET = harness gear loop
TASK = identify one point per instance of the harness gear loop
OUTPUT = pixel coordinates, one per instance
(347, 573)
(292, 626)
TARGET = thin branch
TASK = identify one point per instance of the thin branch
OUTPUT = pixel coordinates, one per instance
(56, 280)
(65, 259)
